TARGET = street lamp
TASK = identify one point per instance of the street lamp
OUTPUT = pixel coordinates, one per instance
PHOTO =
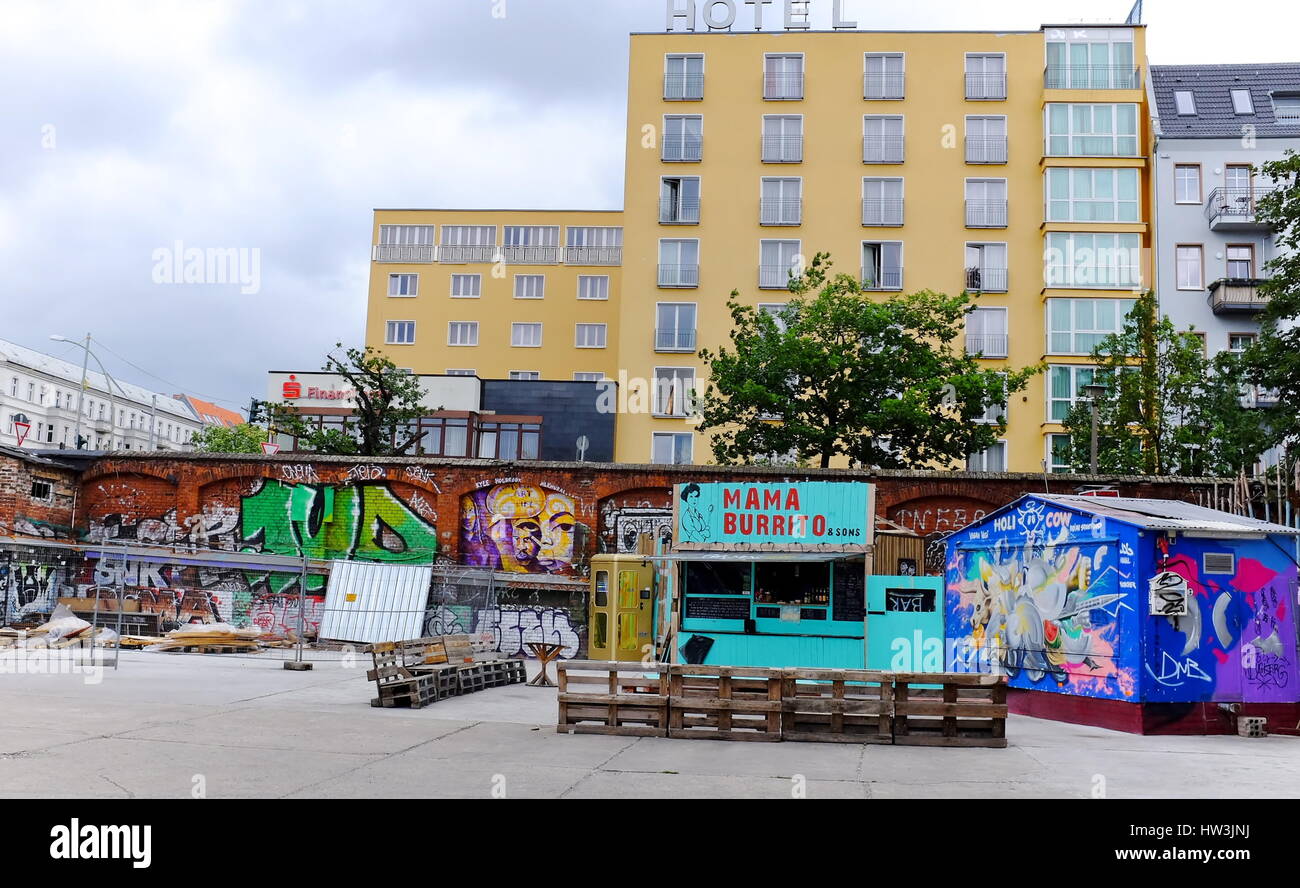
(81, 394)
(1094, 393)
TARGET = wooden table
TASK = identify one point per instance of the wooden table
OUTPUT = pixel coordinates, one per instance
(545, 652)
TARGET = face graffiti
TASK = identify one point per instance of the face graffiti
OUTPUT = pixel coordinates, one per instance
(519, 528)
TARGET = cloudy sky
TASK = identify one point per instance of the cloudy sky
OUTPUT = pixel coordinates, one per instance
(275, 125)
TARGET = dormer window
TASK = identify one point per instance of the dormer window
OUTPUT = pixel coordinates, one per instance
(1241, 102)
(1184, 102)
(1286, 107)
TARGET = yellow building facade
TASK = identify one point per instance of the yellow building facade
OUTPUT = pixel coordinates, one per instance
(1013, 164)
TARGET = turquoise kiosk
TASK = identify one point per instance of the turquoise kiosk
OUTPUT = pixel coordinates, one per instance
(780, 575)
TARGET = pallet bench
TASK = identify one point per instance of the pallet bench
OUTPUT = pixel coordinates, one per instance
(421, 671)
(837, 706)
(724, 702)
(950, 709)
(602, 697)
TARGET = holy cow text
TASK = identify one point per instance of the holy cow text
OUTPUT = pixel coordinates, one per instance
(720, 15)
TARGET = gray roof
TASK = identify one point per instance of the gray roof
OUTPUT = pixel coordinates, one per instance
(1158, 514)
(1210, 85)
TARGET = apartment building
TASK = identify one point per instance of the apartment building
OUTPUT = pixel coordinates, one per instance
(1216, 124)
(1014, 165)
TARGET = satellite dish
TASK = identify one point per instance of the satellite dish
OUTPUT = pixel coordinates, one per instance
(583, 443)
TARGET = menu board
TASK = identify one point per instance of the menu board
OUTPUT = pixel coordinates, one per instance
(735, 607)
(849, 601)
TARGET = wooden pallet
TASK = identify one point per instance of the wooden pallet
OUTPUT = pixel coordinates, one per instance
(602, 697)
(837, 706)
(236, 647)
(471, 678)
(724, 702)
(500, 673)
(950, 709)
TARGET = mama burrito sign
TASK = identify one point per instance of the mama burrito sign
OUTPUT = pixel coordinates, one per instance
(828, 516)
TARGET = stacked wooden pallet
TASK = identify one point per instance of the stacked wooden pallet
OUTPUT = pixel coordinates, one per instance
(837, 706)
(950, 710)
(601, 697)
(724, 702)
(421, 671)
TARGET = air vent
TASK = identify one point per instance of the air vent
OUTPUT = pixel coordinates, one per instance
(1220, 563)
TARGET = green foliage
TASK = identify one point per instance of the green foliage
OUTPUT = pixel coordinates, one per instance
(383, 423)
(221, 439)
(885, 384)
(1169, 409)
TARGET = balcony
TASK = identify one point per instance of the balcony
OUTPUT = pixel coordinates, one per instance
(882, 212)
(986, 214)
(456, 254)
(672, 339)
(882, 279)
(987, 345)
(679, 275)
(783, 149)
(783, 87)
(528, 255)
(593, 255)
(683, 87)
(1085, 276)
(679, 150)
(986, 150)
(986, 87)
(679, 211)
(404, 253)
(882, 149)
(774, 277)
(882, 87)
(772, 211)
(1237, 296)
(986, 280)
(1091, 77)
(1234, 209)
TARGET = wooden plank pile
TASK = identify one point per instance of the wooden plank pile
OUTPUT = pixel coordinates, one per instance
(211, 638)
(421, 671)
(808, 705)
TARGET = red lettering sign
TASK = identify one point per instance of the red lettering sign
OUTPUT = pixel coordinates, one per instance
(292, 389)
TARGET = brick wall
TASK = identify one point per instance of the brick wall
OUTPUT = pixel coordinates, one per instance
(22, 514)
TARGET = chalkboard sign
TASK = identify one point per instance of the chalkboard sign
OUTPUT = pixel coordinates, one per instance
(734, 608)
(909, 601)
(849, 601)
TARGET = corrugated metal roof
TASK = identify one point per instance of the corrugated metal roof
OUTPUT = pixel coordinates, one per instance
(1211, 86)
(1158, 514)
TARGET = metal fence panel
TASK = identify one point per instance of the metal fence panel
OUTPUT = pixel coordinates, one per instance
(375, 602)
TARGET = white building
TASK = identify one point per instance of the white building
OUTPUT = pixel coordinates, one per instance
(114, 416)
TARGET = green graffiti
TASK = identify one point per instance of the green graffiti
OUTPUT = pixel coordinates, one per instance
(364, 523)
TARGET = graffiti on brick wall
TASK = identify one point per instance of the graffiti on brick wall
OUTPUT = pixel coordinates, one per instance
(513, 625)
(30, 587)
(517, 527)
(938, 514)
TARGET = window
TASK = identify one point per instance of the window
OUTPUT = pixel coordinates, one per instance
(1065, 389)
(1242, 102)
(986, 333)
(588, 377)
(591, 245)
(530, 286)
(1076, 259)
(779, 260)
(781, 202)
(1187, 183)
(683, 138)
(594, 287)
(992, 460)
(1092, 195)
(882, 202)
(31, 392)
(508, 440)
(1077, 326)
(1092, 130)
(468, 243)
(679, 263)
(671, 449)
(782, 138)
(1091, 59)
(462, 333)
(1286, 107)
(675, 326)
(526, 335)
(683, 78)
(986, 268)
(679, 200)
(986, 140)
(442, 436)
(1184, 102)
(882, 265)
(1190, 262)
(986, 76)
(782, 77)
(674, 390)
(462, 372)
(525, 375)
(986, 203)
(1241, 261)
(591, 335)
(777, 310)
(404, 243)
(43, 490)
(532, 244)
(1239, 342)
(882, 139)
(400, 333)
(884, 76)
(466, 286)
(403, 284)
(1059, 460)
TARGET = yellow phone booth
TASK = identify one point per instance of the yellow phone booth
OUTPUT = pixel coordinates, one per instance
(622, 607)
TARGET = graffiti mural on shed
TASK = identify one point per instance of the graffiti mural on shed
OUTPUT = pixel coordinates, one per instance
(516, 527)
(625, 517)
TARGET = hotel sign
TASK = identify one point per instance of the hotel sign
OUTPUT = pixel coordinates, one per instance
(720, 15)
(827, 516)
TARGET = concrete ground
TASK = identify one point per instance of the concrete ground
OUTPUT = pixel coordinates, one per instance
(174, 725)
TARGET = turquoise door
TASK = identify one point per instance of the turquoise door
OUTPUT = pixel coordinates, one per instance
(905, 624)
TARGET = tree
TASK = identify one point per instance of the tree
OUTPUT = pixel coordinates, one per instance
(1274, 359)
(388, 404)
(244, 438)
(1169, 409)
(885, 384)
